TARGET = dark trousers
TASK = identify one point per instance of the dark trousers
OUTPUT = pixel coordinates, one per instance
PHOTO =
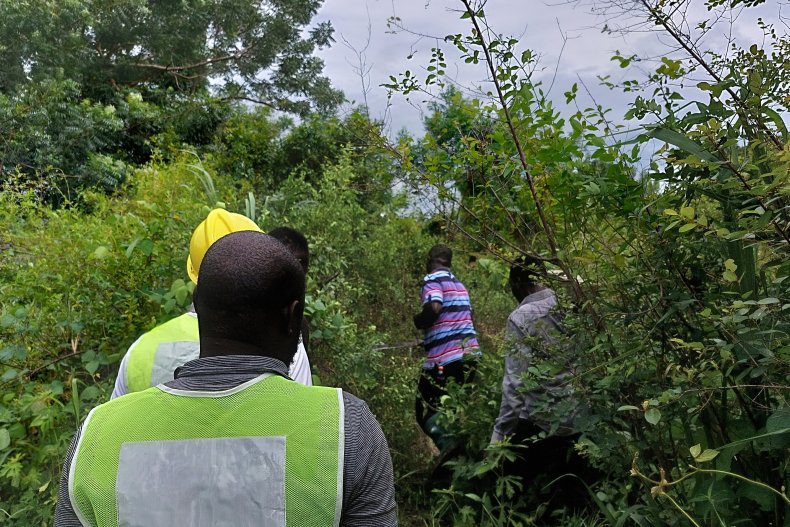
(544, 460)
(432, 385)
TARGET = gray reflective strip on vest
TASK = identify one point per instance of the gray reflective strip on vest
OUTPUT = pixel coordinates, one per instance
(224, 482)
(171, 355)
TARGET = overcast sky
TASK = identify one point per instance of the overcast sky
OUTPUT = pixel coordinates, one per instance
(539, 25)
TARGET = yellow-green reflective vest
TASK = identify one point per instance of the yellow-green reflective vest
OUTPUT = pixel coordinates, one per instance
(268, 452)
(155, 356)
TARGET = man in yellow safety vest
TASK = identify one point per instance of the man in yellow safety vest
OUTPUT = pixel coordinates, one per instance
(232, 441)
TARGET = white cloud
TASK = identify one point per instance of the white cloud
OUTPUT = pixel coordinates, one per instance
(538, 26)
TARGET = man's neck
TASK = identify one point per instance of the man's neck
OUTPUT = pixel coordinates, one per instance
(532, 289)
(280, 349)
(216, 347)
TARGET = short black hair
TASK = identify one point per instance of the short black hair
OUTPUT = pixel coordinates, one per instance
(290, 237)
(441, 254)
(245, 280)
(526, 270)
(296, 243)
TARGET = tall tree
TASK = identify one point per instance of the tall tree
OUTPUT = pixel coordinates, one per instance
(258, 51)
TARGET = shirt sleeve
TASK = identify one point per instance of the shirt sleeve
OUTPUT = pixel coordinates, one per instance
(369, 488)
(120, 381)
(300, 367)
(432, 291)
(64, 512)
(517, 362)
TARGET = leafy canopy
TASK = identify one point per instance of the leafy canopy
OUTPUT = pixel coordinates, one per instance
(255, 51)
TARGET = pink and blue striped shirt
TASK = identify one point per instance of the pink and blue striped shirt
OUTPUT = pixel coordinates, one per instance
(453, 334)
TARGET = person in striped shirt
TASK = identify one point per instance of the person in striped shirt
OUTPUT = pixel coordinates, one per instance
(450, 339)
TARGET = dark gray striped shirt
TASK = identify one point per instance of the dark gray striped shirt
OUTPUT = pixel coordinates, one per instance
(368, 488)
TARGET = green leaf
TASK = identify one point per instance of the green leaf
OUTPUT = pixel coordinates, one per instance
(687, 212)
(730, 265)
(687, 227)
(707, 455)
(131, 247)
(765, 301)
(14, 351)
(627, 407)
(755, 82)
(90, 393)
(92, 366)
(763, 497)
(681, 141)
(653, 416)
(147, 247)
(695, 450)
(169, 305)
(5, 438)
(181, 296)
(473, 497)
(100, 252)
(775, 118)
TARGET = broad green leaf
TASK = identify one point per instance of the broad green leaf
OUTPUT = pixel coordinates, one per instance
(5, 438)
(130, 248)
(92, 366)
(687, 227)
(687, 212)
(653, 416)
(147, 247)
(681, 141)
(100, 252)
(181, 295)
(707, 455)
(765, 301)
(695, 450)
(90, 393)
(627, 407)
(730, 264)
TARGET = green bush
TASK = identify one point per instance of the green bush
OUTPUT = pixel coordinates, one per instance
(78, 288)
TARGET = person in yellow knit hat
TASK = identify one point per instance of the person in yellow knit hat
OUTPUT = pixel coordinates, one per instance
(154, 357)
(232, 441)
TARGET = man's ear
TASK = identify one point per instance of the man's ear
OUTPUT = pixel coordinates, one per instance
(195, 297)
(293, 317)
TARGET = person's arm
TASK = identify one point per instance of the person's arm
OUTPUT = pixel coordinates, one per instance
(430, 312)
(120, 381)
(517, 362)
(432, 299)
(64, 512)
(368, 483)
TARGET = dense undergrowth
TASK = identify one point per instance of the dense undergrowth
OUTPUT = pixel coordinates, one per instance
(673, 279)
